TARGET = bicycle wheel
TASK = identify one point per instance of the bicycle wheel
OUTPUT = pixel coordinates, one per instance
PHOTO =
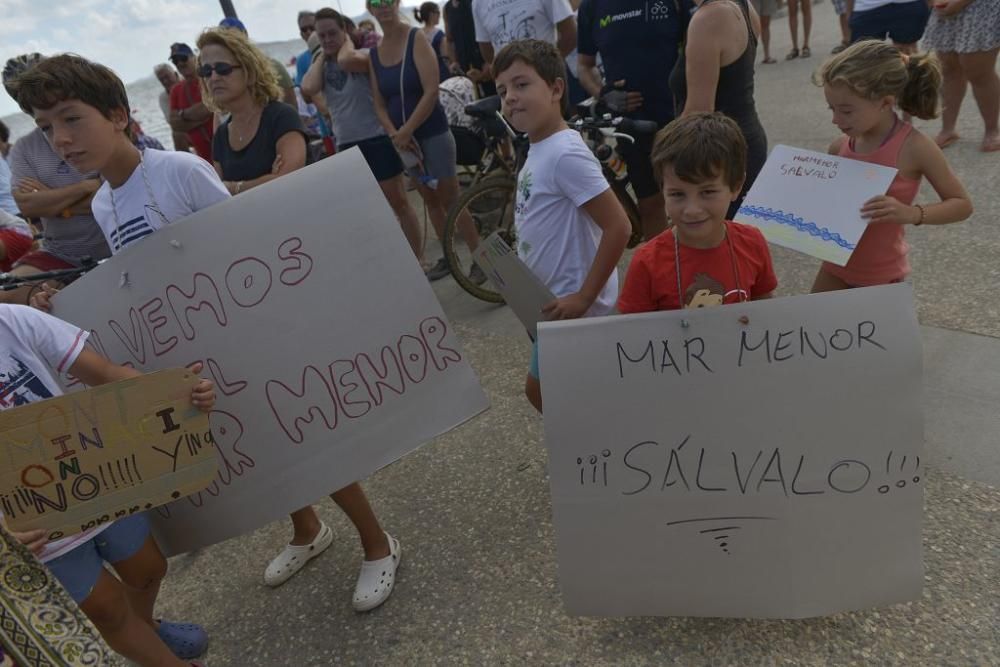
(490, 205)
(631, 210)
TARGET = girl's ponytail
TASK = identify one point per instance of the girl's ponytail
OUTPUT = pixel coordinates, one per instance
(923, 86)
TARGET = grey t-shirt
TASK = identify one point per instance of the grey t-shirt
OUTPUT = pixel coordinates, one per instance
(69, 239)
(349, 97)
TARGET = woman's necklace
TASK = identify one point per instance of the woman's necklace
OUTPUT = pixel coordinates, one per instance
(252, 121)
(740, 294)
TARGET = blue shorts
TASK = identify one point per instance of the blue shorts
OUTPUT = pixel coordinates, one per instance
(534, 362)
(903, 23)
(380, 155)
(79, 569)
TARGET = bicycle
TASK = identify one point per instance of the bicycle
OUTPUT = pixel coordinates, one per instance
(10, 281)
(491, 198)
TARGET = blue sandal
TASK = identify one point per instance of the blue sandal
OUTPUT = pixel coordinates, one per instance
(185, 640)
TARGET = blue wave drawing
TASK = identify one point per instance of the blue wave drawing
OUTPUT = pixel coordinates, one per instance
(798, 223)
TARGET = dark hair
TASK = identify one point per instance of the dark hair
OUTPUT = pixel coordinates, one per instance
(424, 12)
(540, 56)
(4, 132)
(71, 77)
(701, 147)
(343, 22)
(874, 69)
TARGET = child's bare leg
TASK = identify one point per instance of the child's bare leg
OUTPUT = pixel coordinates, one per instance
(109, 610)
(142, 574)
(826, 282)
(353, 501)
(533, 390)
(306, 524)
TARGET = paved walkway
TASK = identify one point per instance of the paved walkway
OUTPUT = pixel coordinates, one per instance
(478, 582)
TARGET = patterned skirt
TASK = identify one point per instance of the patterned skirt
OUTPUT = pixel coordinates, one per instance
(40, 626)
(976, 28)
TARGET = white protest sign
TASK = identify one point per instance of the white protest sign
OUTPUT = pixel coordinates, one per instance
(331, 355)
(811, 202)
(523, 291)
(770, 470)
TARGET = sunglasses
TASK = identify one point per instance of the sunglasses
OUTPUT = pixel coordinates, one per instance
(222, 69)
(379, 4)
(179, 60)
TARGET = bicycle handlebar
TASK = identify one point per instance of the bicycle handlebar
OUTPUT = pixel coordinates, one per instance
(9, 281)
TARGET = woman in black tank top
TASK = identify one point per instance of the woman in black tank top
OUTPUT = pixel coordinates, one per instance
(734, 86)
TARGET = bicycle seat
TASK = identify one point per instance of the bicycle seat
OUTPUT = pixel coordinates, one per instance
(484, 108)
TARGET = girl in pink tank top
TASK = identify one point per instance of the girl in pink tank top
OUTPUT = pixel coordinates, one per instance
(864, 84)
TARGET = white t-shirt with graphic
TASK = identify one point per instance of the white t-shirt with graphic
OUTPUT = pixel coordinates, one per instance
(557, 239)
(501, 22)
(35, 349)
(176, 185)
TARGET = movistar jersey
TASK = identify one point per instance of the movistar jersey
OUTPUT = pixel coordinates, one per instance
(638, 41)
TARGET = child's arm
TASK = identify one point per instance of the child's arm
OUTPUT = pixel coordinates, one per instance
(608, 214)
(35, 540)
(955, 204)
(92, 369)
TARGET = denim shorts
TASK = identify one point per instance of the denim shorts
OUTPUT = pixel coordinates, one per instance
(79, 569)
(903, 23)
(533, 370)
(439, 157)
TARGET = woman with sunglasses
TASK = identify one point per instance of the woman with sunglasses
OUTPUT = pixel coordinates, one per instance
(404, 76)
(263, 138)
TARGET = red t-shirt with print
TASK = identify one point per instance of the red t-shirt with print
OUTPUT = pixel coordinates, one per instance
(738, 269)
(187, 93)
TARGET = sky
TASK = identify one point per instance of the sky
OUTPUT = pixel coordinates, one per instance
(131, 36)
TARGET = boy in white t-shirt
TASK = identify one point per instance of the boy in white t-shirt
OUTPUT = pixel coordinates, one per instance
(571, 229)
(35, 349)
(83, 110)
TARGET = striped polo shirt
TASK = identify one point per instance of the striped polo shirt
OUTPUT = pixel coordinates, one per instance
(69, 239)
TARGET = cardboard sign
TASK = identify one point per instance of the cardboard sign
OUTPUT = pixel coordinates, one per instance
(811, 202)
(77, 461)
(703, 467)
(329, 351)
(523, 291)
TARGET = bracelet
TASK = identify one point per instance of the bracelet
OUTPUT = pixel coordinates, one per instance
(66, 213)
(239, 188)
(922, 213)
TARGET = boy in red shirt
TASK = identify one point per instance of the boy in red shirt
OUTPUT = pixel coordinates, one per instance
(704, 259)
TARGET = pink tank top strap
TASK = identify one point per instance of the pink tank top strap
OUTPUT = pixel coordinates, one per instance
(887, 154)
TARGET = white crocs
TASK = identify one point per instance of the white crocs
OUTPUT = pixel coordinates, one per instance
(376, 579)
(294, 557)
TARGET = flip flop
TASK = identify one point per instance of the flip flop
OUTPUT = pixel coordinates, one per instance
(806, 52)
(840, 47)
(990, 146)
(768, 61)
(185, 640)
(792, 55)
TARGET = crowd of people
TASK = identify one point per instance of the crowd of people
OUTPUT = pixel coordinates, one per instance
(236, 116)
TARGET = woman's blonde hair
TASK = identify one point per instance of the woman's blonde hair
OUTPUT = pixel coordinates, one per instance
(873, 69)
(262, 82)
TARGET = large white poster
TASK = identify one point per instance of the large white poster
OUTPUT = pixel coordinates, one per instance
(701, 466)
(330, 353)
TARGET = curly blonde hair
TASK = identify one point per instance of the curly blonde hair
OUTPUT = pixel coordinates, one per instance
(874, 69)
(262, 82)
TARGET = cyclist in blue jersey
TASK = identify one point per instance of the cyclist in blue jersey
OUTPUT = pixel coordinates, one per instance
(638, 42)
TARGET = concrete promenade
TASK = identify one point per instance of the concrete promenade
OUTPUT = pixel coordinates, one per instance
(478, 583)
